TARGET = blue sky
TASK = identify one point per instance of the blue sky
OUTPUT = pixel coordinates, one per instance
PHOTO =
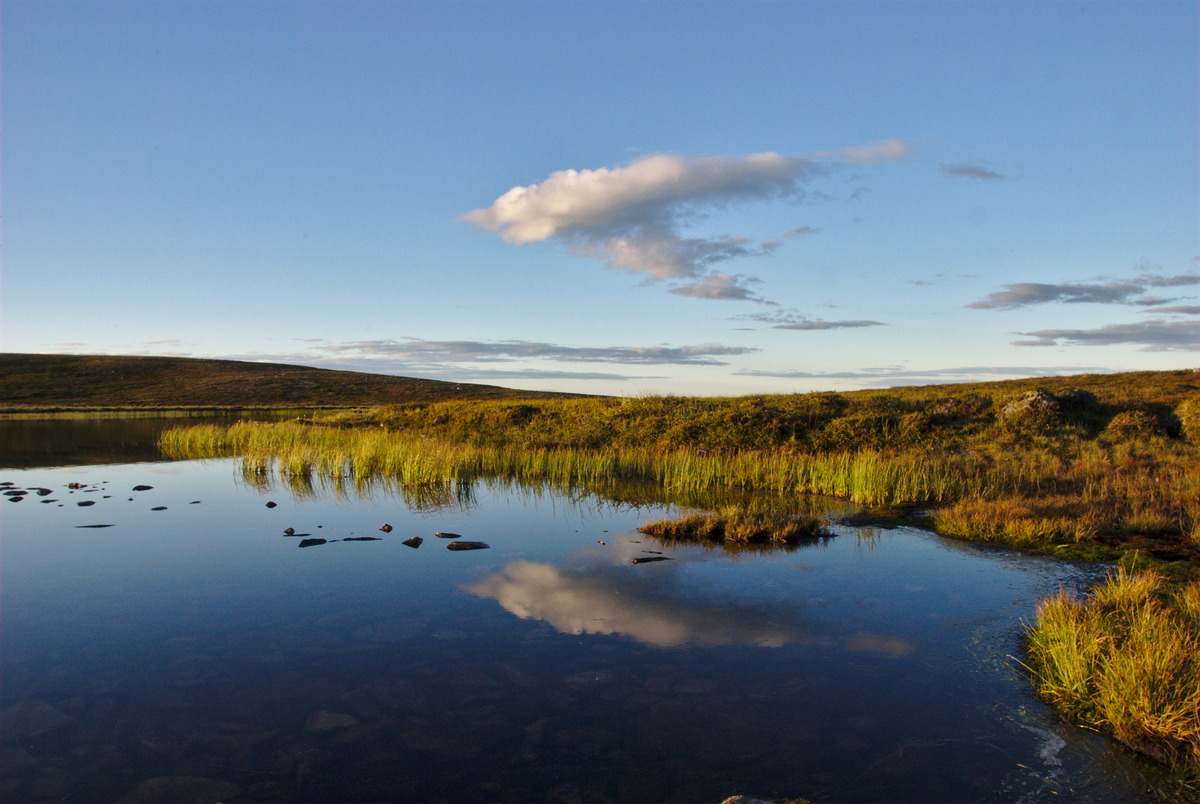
(617, 197)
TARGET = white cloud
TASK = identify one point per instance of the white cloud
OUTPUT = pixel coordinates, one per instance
(631, 216)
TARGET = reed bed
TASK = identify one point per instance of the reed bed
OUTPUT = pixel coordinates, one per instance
(1126, 659)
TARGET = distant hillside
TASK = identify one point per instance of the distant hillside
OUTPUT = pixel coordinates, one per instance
(32, 381)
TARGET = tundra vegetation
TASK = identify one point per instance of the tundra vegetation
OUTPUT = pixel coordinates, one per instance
(1102, 467)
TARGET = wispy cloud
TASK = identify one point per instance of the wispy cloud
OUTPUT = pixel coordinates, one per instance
(891, 375)
(1180, 309)
(631, 216)
(1154, 336)
(1023, 294)
(801, 231)
(878, 151)
(795, 320)
(720, 286)
(418, 351)
(970, 170)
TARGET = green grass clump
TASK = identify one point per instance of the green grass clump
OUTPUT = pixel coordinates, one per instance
(738, 525)
(1127, 660)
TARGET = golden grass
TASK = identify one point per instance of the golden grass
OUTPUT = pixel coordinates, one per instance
(1126, 660)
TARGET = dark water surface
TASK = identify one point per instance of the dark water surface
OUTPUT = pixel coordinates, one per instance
(195, 649)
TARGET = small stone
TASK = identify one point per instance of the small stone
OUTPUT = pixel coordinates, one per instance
(361, 539)
(159, 508)
(271, 503)
(414, 542)
(95, 526)
(289, 531)
(442, 535)
(385, 527)
(142, 488)
(84, 503)
(648, 559)
(311, 542)
(468, 546)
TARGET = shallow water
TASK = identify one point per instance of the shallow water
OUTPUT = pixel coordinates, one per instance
(193, 640)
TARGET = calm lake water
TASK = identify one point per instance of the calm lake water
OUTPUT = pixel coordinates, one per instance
(189, 647)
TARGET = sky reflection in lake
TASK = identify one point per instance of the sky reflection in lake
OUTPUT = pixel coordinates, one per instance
(193, 639)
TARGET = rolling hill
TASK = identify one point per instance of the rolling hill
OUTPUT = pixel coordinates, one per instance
(39, 381)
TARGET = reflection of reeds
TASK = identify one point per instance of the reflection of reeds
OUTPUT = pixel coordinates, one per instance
(1127, 659)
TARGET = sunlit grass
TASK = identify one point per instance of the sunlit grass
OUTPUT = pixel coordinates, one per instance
(1127, 660)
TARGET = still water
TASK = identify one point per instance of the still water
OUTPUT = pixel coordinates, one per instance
(190, 648)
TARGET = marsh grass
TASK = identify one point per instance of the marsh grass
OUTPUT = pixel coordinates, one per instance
(1126, 659)
(735, 526)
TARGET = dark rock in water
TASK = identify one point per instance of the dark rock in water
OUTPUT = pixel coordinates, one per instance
(142, 488)
(271, 504)
(159, 508)
(311, 542)
(83, 503)
(95, 526)
(47, 501)
(468, 546)
(442, 535)
(194, 502)
(15, 499)
(289, 531)
(6, 484)
(361, 539)
(43, 492)
(15, 493)
(297, 535)
(181, 789)
(648, 559)
(385, 527)
(414, 542)
(74, 485)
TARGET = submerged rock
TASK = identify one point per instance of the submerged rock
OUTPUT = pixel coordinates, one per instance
(385, 527)
(271, 503)
(443, 535)
(95, 526)
(159, 508)
(289, 531)
(311, 542)
(414, 542)
(142, 488)
(361, 539)
(85, 503)
(648, 559)
(468, 546)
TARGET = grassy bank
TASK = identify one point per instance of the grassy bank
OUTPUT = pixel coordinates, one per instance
(1126, 660)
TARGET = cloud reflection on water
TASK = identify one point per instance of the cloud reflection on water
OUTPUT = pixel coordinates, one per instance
(601, 599)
